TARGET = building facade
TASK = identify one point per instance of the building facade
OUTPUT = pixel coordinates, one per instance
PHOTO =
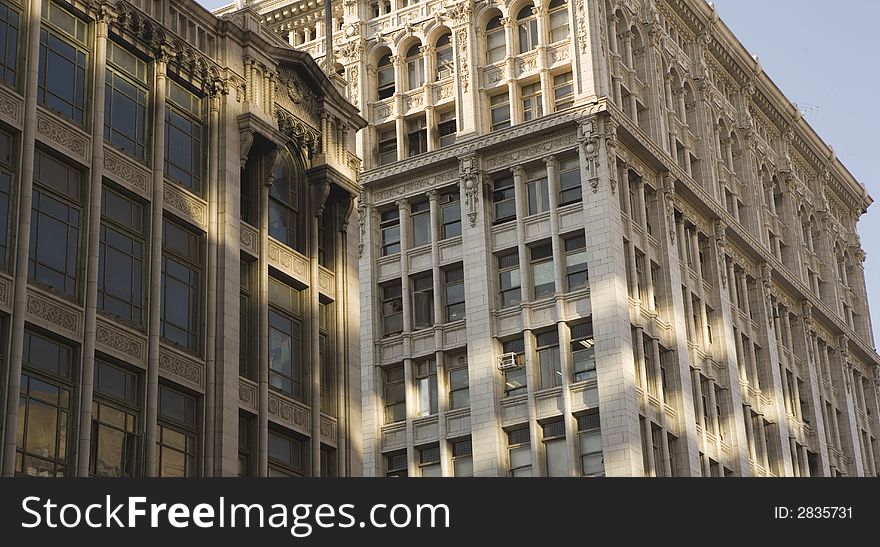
(177, 280)
(596, 239)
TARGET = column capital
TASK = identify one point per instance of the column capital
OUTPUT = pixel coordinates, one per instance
(551, 160)
(517, 171)
(402, 204)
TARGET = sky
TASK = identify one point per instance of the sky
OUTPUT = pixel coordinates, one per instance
(822, 56)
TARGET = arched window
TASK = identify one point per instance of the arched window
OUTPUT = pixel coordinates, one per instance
(527, 29)
(496, 48)
(284, 204)
(385, 80)
(415, 71)
(558, 21)
(443, 60)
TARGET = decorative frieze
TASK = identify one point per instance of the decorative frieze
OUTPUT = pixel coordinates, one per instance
(53, 314)
(247, 394)
(182, 369)
(248, 239)
(185, 204)
(10, 107)
(288, 261)
(119, 342)
(63, 136)
(126, 172)
(288, 412)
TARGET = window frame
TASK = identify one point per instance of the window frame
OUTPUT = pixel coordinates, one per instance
(396, 303)
(134, 234)
(196, 269)
(514, 272)
(573, 269)
(394, 407)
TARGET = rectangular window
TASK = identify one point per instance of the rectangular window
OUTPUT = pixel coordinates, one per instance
(459, 387)
(527, 30)
(44, 407)
(53, 258)
(286, 371)
(450, 213)
(509, 283)
(394, 389)
(504, 198)
(555, 451)
(446, 128)
(563, 91)
(519, 452)
(395, 464)
(429, 461)
(515, 379)
(287, 455)
(542, 270)
(420, 217)
(453, 288)
(10, 26)
(590, 444)
(121, 257)
(462, 458)
(576, 273)
(549, 362)
(115, 422)
(125, 102)
(537, 190)
(531, 101)
(326, 359)
(177, 437)
(64, 52)
(181, 285)
(422, 289)
(392, 308)
(417, 132)
(496, 44)
(583, 353)
(328, 462)
(558, 21)
(247, 328)
(570, 181)
(246, 445)
(499, 110)
(387, 146)
(390, 226)
(183, 137)
(7, 170)
(426, 387)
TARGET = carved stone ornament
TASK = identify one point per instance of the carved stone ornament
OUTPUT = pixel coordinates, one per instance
(470, 179)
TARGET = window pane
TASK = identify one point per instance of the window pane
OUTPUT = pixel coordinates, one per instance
(557, 458)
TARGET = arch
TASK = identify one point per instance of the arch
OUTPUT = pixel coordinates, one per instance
(286, 216)
(496, 42)
(690, 107)
(414, 62)
(443, 56)
(640, 54)
(558, 22)
(527, 37)
(385, 84)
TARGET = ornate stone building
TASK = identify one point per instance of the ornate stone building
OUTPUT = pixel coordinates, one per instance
(595, 239)
(176, 280)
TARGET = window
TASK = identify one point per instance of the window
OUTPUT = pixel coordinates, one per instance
(429, 461)
(450, 213)
(531, 101)
(287, 455)
(555, 451)
(385, 77)
(446, 128)
(55, 224)
(496, 46)
(504, 197)
(590, 444)
(7, 169)
(459, 388)
(443, 60)
(246, 445)
(387, 146)
(326, 359)
(520, 452)
(426, 386)
(558, 21)
(392, 308)
(577, 275)
(509, 289)
(583, 353)
(527, 29)
(422, 287)
(64, 50)
(395, 464)
(499, 110)
(563, 92)
(247, 329)
(417, 132)
(121, 257)
(569, 181)
(515, 379)
(285, 224)
(115, 422)
(125, 102)
(420, 215)
(462, 458)
(181, 284)
(286, 371)
(9, 28)
(549, 360)
(537, 191)
(542, 270)
(395, 394)
(44, 406)
(390, 226)
(183, 137)
(415, 72)
(453, 287)
(327, 236)
(328, 461)
(177, 437)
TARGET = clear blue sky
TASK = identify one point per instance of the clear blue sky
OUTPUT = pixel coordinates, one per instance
(824, 55)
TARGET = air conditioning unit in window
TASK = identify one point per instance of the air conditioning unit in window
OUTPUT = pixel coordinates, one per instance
(507, 360)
